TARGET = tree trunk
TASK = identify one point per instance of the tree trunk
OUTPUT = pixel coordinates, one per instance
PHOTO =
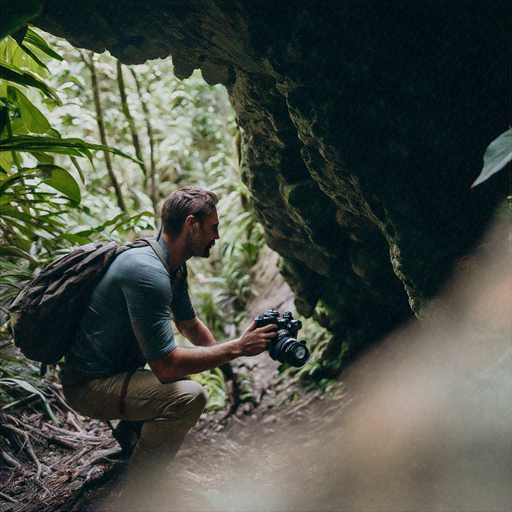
(149, 128)
(101, 126)
(131, 122)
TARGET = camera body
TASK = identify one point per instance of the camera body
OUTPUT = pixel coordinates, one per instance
(284, 347)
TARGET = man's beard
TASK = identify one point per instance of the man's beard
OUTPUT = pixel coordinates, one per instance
(208, 249)
(197, 248)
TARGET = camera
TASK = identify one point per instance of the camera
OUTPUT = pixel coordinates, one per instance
(284, 347)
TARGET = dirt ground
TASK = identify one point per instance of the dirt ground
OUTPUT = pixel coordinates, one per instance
(76, 467)
(208, 461)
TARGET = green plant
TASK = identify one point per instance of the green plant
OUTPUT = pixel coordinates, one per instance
(497, 155)
(10, 383)
(215, 385)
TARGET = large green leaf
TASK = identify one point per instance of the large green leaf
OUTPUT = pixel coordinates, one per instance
(36, 48)
(60, 179)
(497, 155)
(53, 175)
(12, 74)
(24, 58)
(5, 161)
(41, 143)
(33, 56)
(33, 38)
(34, 120)
(71, 146)
(33, 45)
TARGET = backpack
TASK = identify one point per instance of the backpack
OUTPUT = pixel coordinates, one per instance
(45, 315)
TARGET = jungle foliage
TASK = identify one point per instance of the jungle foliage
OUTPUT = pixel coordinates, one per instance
(40, 192)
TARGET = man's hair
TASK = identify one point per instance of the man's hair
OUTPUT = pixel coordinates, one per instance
(184, 202)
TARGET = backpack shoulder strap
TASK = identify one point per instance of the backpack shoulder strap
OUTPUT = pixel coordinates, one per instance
(160, 253)
(152, 242)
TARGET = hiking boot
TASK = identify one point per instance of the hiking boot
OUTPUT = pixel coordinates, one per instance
(127, 434)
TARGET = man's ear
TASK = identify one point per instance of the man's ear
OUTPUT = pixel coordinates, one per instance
(191, 221)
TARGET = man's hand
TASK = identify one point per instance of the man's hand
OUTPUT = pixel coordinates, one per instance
(254, 341)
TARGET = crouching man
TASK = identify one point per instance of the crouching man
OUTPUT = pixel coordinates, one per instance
(128, 324)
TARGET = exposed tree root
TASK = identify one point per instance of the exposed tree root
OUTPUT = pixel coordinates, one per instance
(45, 465)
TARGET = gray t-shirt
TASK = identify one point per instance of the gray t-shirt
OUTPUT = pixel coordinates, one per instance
(128, 320)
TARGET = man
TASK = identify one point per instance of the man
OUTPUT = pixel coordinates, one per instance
(127, 324)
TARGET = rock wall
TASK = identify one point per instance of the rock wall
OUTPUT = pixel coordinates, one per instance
(363, 126)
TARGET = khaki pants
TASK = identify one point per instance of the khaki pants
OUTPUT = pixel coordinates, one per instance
(169, 411)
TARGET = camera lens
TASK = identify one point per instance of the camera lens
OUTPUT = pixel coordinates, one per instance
(289, 350)
(295, 353)
(300, 353)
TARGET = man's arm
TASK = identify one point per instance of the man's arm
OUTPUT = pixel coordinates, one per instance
(196, 332)
(185, 361)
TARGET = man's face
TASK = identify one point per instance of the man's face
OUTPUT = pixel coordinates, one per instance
(203, 235)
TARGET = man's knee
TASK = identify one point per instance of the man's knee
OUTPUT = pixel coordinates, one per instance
(192, 400)
(198, 397)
